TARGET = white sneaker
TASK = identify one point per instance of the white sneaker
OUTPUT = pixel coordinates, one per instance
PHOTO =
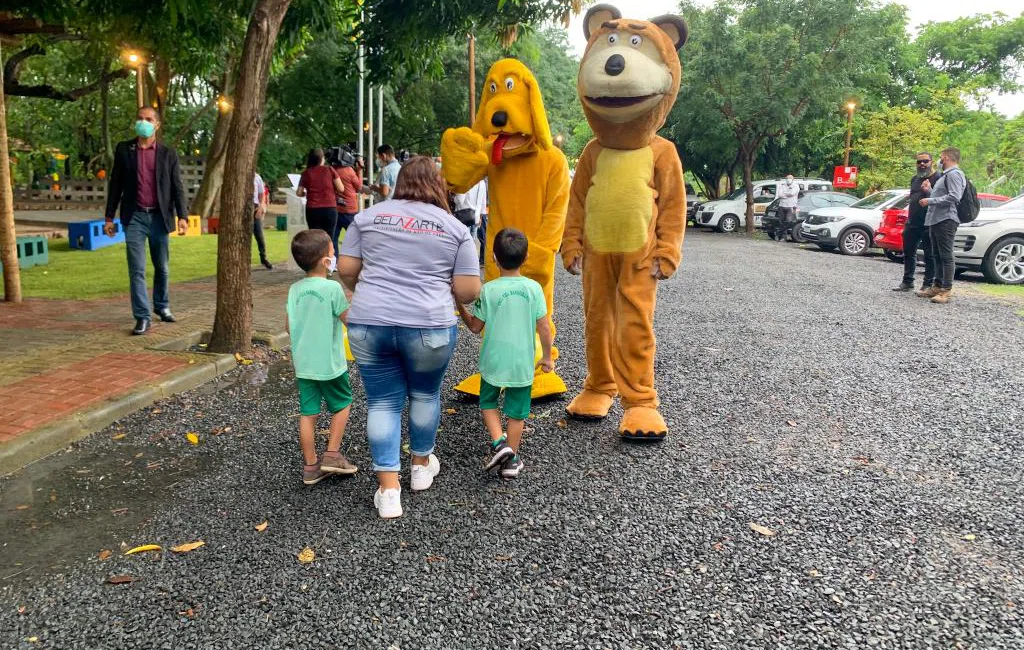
(423, 475)
(388, 502)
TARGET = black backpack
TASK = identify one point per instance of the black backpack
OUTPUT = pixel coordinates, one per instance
(968, 208)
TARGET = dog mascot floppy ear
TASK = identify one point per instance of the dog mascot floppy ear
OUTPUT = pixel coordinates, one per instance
(627, 210)
(527, 178)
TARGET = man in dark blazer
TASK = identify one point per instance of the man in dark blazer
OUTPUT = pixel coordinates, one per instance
(146, 182)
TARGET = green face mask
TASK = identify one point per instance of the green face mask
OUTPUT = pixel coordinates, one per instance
(144, 129)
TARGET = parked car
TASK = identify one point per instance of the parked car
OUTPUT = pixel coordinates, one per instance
(993, 244)
(692, 201)
(730, 214)
(849, 228)
(889, 236)
(808, 201)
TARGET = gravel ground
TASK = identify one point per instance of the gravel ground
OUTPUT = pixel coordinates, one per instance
(875, 435)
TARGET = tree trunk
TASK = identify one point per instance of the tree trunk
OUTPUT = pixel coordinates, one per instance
(232, 324)
(205, 203)
(748, 179)
(162, 85)
(8, 241)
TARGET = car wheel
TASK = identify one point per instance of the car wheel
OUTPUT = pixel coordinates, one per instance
(795, 236)
(893, 256)
(1004, 262)
(855, 241)
(729, 223)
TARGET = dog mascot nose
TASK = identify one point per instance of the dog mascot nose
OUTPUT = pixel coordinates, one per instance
(615, 65)
(500, 118)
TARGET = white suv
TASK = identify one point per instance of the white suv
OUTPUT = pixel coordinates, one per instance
(993, 244)
(850, 228)
(730, 214)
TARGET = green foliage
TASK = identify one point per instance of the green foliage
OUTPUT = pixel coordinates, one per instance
(982, 52)
(891, 138)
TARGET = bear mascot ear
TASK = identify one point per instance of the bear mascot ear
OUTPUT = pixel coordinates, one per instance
(541, 129)
(597, 16)
(674, 26)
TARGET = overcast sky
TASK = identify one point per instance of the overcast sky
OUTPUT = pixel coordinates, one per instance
(921, 11)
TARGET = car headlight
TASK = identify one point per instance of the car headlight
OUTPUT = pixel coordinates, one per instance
(831, 219)
(978, 224)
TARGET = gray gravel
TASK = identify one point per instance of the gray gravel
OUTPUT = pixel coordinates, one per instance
(873, 432)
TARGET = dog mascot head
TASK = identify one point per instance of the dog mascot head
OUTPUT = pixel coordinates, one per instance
(629, 76)
(512, 111)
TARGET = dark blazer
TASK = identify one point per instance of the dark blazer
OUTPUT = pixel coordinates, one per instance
(124, 184)
(915, 211)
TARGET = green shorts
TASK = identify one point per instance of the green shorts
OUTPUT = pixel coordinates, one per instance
(336, 392)
(517, 400)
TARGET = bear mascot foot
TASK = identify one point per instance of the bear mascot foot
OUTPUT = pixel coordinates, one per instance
(545, 384)
(642, 423)
(590, 405)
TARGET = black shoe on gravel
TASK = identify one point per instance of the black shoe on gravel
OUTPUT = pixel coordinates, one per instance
(510, 468)
(904, 286)
(499, 455)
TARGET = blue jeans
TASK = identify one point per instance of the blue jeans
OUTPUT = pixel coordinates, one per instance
(399, 364)
(142, 226)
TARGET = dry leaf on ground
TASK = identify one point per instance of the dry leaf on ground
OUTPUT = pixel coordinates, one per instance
(192, 438)
(764, 530)
(307, 555)
(791, 423)
(120, 580)
(562, 424)
(144, 548)
(185, 548)
(970, 537)
(436, 558)
(238, 357)
(262, 527)
(23, 506)
(33, 639)
(21, 609)
(104, 554)
(118, 436)
(450, 411)
(503, 558)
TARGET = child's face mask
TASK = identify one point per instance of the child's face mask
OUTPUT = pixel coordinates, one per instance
(332, 264)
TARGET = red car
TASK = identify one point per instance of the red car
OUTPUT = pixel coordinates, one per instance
(889, 236)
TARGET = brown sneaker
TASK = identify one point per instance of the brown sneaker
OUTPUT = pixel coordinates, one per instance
(927, 293)
(337, 465)
(942, 297)
(313, 476)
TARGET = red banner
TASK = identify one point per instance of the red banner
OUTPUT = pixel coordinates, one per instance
(845, 177)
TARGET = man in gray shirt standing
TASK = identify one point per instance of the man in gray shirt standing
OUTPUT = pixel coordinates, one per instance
(789, 199)
(942, 221)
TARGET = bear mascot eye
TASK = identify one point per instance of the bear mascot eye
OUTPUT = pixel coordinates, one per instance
(636, 40)
(494, 87)
(613, 39)
(509, 84)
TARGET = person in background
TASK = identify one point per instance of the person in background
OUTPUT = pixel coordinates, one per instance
(259, 199)
(146, 182)
(789, 201)
(404, 260)
(482, 229)
(348, 202)
(469, 207)
(387, 177)
(942, 221)
(915, 233)
(320, 185)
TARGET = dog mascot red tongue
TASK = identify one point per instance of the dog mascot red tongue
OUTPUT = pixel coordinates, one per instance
(528, 182)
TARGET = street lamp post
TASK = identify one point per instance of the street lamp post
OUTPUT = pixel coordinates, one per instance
(138, 63)
(849, 132)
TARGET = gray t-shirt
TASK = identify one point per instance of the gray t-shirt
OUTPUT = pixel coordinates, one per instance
(410, 252)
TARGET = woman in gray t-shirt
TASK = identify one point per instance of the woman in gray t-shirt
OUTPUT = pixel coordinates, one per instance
(403, 259)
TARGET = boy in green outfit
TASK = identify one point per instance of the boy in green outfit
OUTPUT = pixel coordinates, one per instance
(513, 308)
(316, 309)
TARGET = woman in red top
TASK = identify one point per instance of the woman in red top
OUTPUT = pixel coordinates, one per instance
(320, 185)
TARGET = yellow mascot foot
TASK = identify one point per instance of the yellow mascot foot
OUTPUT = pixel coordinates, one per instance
(469, 386)
(643, 423)
(545, 384)
(590, 405)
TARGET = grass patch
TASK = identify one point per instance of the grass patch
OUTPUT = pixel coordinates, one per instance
(1013, 291)
(73, 274)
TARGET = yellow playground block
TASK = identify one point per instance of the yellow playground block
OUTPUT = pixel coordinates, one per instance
(195, 227)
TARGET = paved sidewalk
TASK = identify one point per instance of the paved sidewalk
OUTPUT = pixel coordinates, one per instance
(71, 366)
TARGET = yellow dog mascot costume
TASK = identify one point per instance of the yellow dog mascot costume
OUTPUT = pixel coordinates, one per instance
(627, 210)
(528, 181)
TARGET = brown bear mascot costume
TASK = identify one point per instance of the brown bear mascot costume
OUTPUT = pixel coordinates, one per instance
(627, 210)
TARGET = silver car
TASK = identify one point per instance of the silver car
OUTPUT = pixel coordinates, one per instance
(993, 244)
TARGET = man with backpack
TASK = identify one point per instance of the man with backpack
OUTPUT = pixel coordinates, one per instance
(942, 220)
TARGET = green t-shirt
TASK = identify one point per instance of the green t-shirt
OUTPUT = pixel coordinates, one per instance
(314, 308)
(510, 307)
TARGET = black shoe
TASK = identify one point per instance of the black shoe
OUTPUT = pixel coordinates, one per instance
(267, 263)
(511, 468)
(166, 315)
(499, 454)
(904, 286)
(142, 326)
